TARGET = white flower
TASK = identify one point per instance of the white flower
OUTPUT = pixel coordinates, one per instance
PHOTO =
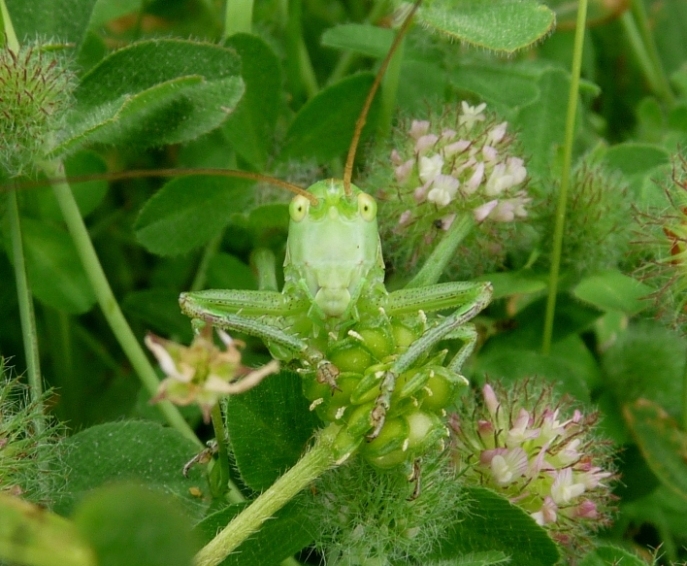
(564, 489)
(418, 128)
(483, 211)
(402, 172)
(506, 465)
(497, 133)
(396, 158)
(456, 147)
(430, 167)
(547, 513)
(447, 135)
(520, 432)
(471, 114)
(516, 169)
(425, 142)
(405, 218)
(443, 190)
(473, 183)
(489, 153)
(508, 210)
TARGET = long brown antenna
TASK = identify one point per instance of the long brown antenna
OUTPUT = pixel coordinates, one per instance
(145, 173)
(362, 118)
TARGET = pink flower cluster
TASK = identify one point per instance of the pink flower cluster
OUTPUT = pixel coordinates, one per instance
(467, 167)
(523, 447)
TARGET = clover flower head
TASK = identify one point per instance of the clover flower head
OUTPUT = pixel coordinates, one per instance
(533, 449)
(202, 373)
(461, 164)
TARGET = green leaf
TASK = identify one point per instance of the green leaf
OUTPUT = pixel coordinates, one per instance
(54, 268)
(498, 25)
(607, 555)
(269, 427)
(662, 443)
(159, 310)
(287, 532)
(154, 93)
(541, 123)
(134, 451)
(323, 128)
(502, 87)
(495, 525)
(368, 40)
(250, 128)
(511, 366)
(61, 20)
(33, 535)
(132, 525)
(228, 272)
(613, 290)
(187, 213)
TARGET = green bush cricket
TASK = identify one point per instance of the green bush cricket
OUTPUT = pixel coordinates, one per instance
(334, 287)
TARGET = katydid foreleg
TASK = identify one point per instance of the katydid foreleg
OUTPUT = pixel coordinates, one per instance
(479, 295)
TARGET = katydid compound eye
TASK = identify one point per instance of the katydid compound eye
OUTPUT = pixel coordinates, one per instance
(298, 208)
(367, 206)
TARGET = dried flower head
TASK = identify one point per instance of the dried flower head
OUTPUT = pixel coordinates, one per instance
(663, 245)
(35, 92)
(462, 162)
(202, 373)
(540, 453)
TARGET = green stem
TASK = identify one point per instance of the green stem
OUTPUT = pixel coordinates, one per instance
(264, 263)
(222, 451)
(573, 97)
(661, 83)
(238, 17)
(113, 314)
(389, 89)
(312, 465)
(26, 312)
(209, 252)
(8, 28)
(443, 253)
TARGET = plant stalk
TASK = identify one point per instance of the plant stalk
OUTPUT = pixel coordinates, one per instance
(26, 312)
(441, 256)
(573, 98)
(313, 464)
(106, 299)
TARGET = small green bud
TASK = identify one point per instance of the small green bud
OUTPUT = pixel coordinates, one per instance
(389, 448)
(350, 355)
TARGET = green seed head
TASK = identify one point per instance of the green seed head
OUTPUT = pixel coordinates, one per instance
(35, 92)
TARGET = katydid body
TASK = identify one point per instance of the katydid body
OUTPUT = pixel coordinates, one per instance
(333, 287)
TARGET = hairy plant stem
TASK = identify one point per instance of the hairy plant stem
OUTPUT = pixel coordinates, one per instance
(573, 97)
(313, 464)
(223, 455)
(441, 256)
(684, 398)
(113, 314)
(26, 312)
(238, 17)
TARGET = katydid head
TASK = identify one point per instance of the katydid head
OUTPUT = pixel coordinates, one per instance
(333, 246)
